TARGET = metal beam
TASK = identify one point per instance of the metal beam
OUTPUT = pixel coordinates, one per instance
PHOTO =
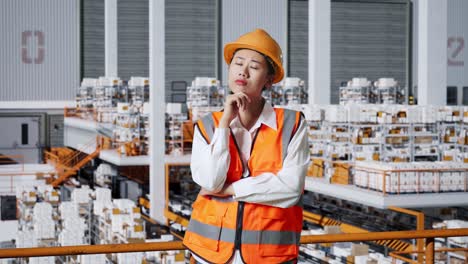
(157, 103)
(432, 52)
(319, 52)
(110, 38)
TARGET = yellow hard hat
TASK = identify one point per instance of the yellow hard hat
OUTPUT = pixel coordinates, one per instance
(260, 41)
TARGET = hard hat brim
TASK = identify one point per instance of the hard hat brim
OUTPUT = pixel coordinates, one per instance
(230, 48)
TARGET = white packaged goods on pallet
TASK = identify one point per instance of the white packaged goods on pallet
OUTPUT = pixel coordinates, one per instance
(136, 231)
(130, 258)
(178, 227)
(205, 91)
(357, 91)
(42, 260)
(361, 259)
(449, 114)
(294, 91)
(103, 195)
(48, 193)
(44, 228)
(92, 259)
(341, 249)
(44, 188)
(138, 92)
(451, 224)
(413, 177)
(336, 114)
(102, 209)
(402, 134)
(81, 195)
(76, 223)
(84, 96)
(42, 210)
(71, 237)
(313, 113)
(362, 113)
(167, 237)
(109, 81)
(124, 205)
(26, 193)
(26, 239)
(68, 210)
(427, 114)
(119, 221)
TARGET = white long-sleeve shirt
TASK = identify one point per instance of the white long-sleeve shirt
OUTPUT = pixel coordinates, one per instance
(210, 163)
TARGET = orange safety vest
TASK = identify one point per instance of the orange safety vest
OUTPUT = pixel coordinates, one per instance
(262, 233)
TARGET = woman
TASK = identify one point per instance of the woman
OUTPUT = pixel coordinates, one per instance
(250, 161)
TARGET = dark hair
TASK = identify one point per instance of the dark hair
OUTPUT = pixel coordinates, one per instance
(271, 65)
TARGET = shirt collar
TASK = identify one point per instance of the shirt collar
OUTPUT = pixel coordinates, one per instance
(267, 117)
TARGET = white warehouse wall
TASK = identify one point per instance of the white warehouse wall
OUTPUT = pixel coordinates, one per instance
(242, 16)
(457, 44)
(39, 50)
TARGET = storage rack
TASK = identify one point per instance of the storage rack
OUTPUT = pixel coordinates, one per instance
(425, 142)
(362, 91)
(138, 92)
(394, 133)
(84, 98)
(205, 91)
(389, 92)
(181, 192)
(367, 141)
(144, 130)
(294, 91)
(127, 130)
(357, 91)
(175, 119)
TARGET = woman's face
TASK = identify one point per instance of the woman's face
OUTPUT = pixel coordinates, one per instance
(248, 73)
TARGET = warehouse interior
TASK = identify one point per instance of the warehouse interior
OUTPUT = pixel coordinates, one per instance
(100, 98)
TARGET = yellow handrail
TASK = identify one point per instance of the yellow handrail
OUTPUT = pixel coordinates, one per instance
(419, 225)
(69, 161)
(177, 245)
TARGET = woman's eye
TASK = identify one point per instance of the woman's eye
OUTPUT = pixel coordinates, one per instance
(238, 63)
(253, 67)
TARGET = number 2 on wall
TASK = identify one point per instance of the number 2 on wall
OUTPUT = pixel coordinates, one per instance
(455, 46)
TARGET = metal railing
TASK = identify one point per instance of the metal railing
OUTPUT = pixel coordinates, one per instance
(437, 172)
(428, 235)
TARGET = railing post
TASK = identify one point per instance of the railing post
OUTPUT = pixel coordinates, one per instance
(420, 226)
(430, 250)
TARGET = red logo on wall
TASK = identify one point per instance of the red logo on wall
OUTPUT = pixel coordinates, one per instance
(455, 46)
(28, 36)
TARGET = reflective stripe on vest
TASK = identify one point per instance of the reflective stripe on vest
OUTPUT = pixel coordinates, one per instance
(289, 121)
(248, 236)
(208, 124)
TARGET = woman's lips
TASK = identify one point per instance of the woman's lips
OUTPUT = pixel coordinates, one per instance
(241, 82)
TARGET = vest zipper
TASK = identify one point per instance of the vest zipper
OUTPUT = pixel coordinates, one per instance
(240, 216)
(240, 205)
